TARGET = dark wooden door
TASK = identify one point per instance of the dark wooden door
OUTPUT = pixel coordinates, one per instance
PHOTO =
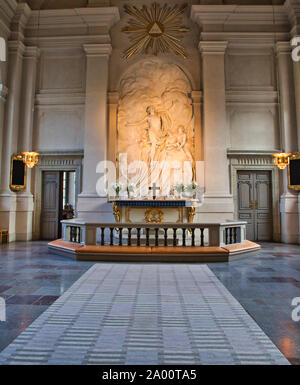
(255, 204)
(50, 205)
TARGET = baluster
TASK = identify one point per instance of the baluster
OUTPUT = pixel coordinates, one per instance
(166, 236)
(174, 237)
(156, 237)
(129, 236)
(111, 236)
(183, 237)
(79, 234)
(102, 236)
(235, 235)
(226, 236)
(230, 235)
(193, 236)
(202, 237)
(147, 236)
(72, 234)
(138, 241)
(120, 236)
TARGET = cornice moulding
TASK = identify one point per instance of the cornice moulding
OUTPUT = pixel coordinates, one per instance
(246, 39)
(250, 153)
(65, 42)
(7, 11)
(238, 14)
(269, 97)
(60, 99)
(71, 18)
(22, 15)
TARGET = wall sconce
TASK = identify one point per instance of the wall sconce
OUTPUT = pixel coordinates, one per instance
(30, 158)
(281, 159)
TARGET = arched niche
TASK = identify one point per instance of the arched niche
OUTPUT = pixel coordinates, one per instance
(167, 89)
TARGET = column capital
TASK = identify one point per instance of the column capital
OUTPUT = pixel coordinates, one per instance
(32, 52)
(283, 48)
(16, 46)
(113, 97)
(213, 47)
(97, 49)
(196, 96)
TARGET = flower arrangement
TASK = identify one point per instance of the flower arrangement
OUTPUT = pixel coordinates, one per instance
(191, 188)
(117, 187)
(179, 188)
(129, 189)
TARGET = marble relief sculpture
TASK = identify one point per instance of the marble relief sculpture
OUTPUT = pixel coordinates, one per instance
(155, 124)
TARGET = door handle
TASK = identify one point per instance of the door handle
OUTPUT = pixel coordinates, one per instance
(251, 205)
(256, 204)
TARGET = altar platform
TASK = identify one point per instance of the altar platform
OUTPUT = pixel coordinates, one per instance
(149, 242)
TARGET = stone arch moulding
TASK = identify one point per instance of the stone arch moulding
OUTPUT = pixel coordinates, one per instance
(162, 60)
(155, 82)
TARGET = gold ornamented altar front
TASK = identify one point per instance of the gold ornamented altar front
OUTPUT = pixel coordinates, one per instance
(154, 211)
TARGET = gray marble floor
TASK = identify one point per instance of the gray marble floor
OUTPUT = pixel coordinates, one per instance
(142, 314)
(31, 279)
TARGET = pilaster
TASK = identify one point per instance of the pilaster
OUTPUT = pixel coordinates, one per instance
(288, 136)
(95, 129)
(113, 102)
(217, 198)
(16, 49)
(25, 206)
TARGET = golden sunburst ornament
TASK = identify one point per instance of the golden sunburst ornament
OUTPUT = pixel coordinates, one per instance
(155, 30)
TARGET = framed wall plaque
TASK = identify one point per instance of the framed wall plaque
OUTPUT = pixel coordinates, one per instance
(294, 172)
(17, 173)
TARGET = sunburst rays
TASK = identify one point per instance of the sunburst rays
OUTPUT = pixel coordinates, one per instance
(155, 29)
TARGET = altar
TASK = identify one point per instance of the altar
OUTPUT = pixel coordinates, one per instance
(154, 211)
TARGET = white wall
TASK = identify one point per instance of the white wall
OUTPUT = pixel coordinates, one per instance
(59, 116)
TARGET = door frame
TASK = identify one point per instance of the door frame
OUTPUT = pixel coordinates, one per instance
(256, 161)
(54, 161)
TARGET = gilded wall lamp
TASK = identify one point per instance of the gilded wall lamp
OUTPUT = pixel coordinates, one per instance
(281, 159)
(30, 158)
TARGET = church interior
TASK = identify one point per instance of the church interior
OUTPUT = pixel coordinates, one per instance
(149, 182)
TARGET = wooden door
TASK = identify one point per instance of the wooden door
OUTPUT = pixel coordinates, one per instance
(50, 205)
(263, 205)
(255, 204)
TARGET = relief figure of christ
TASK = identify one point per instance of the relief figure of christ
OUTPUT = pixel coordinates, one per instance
(154, 127)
